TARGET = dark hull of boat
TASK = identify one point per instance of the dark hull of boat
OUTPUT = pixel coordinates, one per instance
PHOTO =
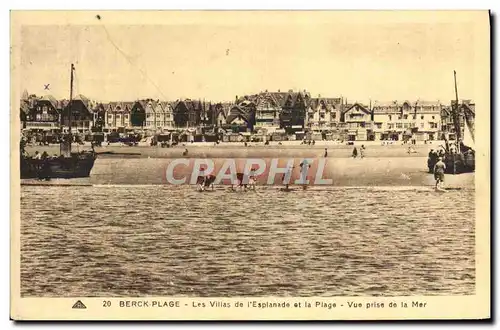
(460, 163)
(58, 168)
(457, 163)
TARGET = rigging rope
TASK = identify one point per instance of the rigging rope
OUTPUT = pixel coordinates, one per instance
(127, 57)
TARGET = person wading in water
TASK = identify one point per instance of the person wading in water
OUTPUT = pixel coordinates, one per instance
(288, 175)
(304, 168)
(439, 169)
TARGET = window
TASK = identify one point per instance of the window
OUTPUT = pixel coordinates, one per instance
(422, 125)
(390, 117)
(311, 117)
(432, 117)
(390, 126)
(399, 117)
(422, 117)
(334, 115)
(379, 125)
(399, 125)
(406, 116)
(405, 125)
(414, 117)
(322, 116)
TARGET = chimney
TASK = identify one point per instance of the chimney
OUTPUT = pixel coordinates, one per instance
(236, 99)
(319, 95)
(279, 91)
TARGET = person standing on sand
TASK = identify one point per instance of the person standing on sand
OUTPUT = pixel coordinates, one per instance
(326, 153)
(439, 169)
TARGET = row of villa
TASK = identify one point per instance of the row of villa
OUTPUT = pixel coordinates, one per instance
(277, 114)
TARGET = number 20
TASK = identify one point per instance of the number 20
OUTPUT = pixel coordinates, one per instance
(106, 303)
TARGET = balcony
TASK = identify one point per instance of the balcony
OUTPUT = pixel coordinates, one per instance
(42, 125)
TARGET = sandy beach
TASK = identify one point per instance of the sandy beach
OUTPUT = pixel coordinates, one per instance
(239, 150)
(383, 165)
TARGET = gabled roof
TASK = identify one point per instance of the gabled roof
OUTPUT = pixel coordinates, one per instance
(100, 107)
(469, 107)
(360, 106)
(117, 106)
(143, 103)
(330, 103)
(24, 107)
(49, 98)
(222, 109)
(191, 105)
(166, 105)
(149, 102)
(243, 110)
(82, 98)
(279, 97)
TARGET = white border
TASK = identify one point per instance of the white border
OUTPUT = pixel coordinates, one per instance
(190, 5)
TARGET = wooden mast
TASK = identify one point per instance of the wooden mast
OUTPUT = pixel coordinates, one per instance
(70, 114)
(65, 146)
(456, 114)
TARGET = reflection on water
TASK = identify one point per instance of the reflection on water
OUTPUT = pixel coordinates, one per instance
(171, 240)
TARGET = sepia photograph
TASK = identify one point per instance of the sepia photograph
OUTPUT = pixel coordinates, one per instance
(263, 155)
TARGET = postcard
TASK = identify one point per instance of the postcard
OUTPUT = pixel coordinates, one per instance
(250, 165)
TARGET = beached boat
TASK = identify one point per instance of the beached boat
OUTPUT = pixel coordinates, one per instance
(459, 157)
(67, 165)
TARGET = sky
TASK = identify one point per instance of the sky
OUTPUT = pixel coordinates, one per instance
(223, 56)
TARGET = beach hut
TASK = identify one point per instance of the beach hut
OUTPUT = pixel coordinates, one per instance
(278, 135)
(300, 135)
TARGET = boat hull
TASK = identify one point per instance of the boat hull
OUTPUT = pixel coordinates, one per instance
(77, 166)
(456, 163)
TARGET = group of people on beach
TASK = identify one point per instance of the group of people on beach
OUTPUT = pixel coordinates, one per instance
(361, 152)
